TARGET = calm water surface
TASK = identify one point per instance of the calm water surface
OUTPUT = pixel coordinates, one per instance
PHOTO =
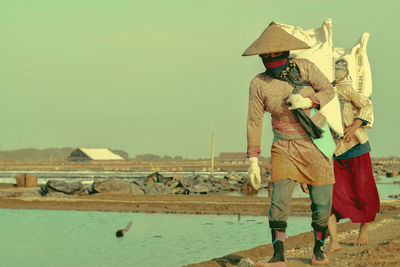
(75, 238)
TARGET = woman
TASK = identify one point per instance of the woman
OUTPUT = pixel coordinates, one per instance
(355, 195)
(295, 159)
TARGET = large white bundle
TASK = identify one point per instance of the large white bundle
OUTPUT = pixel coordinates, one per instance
(320, 40)
(321, 54)
(359, 68)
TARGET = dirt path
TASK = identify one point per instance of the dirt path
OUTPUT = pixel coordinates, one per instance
(182, 204)
(383, 248)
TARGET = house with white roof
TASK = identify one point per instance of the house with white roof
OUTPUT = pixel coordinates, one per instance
(87, 154)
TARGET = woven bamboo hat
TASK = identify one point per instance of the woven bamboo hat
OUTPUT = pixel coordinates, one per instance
(274, 39)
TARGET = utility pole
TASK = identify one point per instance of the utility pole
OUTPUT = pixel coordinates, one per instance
(212, 149)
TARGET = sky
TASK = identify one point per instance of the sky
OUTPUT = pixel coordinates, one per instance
(156, 76)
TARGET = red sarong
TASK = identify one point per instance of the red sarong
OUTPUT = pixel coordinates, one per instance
(355, 195)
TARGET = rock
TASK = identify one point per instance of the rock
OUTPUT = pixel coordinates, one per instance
(175, 184)
(225, 182)
(117, 186)
(245, 263)
(233, 182)
(197, 179)
(167, 180)
(201, 188)
(61, 186)
(177, 190)
(157, 188)
(154, 178)
(234, 176)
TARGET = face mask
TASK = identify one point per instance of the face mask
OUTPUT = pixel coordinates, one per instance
(275, 65)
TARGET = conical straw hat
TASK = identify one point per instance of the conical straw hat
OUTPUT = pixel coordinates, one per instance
(274, 39)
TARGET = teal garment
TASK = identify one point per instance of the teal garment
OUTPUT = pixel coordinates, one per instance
(325, 144)
(355, 151)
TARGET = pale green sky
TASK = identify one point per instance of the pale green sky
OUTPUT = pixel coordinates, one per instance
(151, 76)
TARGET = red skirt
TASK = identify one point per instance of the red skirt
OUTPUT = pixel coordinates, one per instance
(355, 195)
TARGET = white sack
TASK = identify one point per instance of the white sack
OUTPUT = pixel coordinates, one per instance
(321, 54)
(360, 77)
(321, 51)
(359, 68)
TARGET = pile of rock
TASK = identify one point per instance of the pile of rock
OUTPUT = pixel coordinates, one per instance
(196, 184)
(155, 183)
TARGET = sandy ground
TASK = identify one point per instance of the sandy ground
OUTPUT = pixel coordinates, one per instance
(183, 204)
(383, 248)
(384, 239)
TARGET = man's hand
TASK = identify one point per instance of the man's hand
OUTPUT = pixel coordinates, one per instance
(254, 173)
(304, 187)
(298, 101)
(350, 130)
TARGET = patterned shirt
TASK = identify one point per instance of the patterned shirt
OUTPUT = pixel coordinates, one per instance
(357, 106)
(297, 159)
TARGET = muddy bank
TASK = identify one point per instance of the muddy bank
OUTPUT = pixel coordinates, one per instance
(23, 198)
(180, 204)
(383, 248)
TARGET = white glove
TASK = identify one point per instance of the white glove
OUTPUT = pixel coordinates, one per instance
(254, 173)
(299, 101)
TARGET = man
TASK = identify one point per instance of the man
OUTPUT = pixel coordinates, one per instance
(295, 159)
(355, 195)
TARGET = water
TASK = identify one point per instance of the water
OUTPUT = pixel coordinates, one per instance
(74, 238)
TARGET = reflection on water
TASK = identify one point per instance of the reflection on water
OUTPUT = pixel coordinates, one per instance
(72, 238)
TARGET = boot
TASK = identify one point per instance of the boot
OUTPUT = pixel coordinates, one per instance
(319, 257)
(278, 233)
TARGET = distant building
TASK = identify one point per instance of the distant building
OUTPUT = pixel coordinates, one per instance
(86, 154)
(233, 157)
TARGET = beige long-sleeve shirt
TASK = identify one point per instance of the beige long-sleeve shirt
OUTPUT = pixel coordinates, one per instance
(298, 159)
(357, 106)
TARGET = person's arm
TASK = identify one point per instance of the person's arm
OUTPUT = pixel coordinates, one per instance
(350, 130)
(319, 82)
(254, 120)
(363, 103)
(254, 132)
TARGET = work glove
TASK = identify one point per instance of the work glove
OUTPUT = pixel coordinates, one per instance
(299, 101)
(254, 173)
